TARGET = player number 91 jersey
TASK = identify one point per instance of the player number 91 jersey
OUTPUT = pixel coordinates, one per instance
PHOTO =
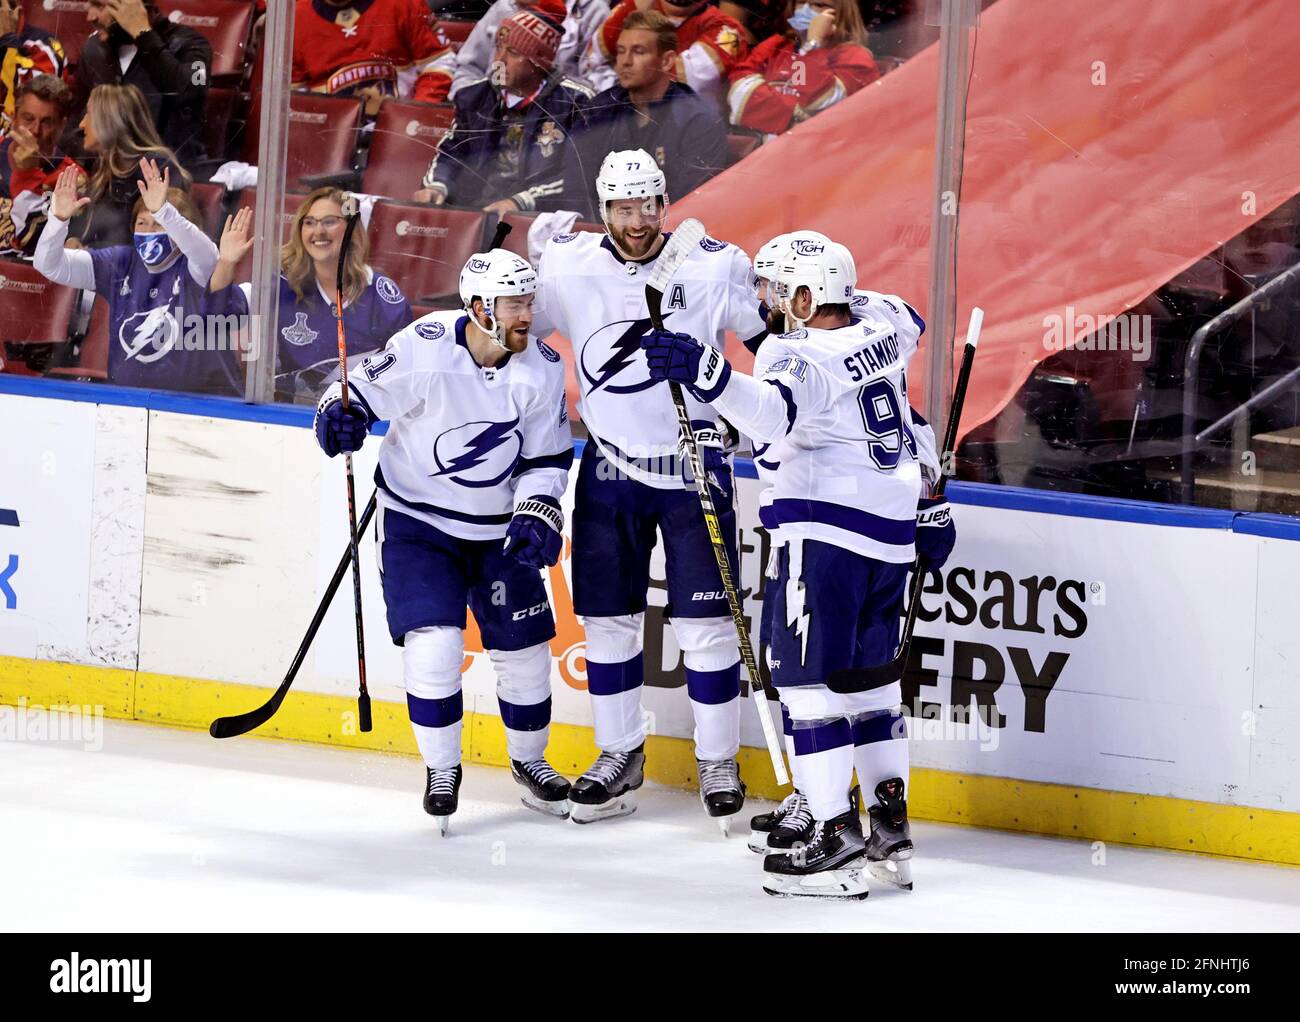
(465, 443)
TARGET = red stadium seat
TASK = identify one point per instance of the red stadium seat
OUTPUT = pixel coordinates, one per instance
(66, 19)
(406, 137)
(211, 201)
(453, 33)
(222, 104)
(423, 248)
(322, 135)
(93, 361)
(225, 24)
(32, 309)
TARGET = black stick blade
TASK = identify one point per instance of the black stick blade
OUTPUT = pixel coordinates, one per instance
(242, 723)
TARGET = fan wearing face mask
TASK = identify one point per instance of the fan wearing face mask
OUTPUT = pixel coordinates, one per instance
(166, 331)
(820, 59)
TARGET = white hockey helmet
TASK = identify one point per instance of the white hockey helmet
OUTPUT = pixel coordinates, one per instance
(492, 275)
(823, 266)
(629, 174)
(766, 258)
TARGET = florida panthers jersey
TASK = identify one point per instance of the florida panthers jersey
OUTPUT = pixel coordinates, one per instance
(465, 442)
(842, 457)
(596, 299)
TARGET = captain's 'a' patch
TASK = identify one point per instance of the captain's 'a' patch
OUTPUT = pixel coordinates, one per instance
(677, 297)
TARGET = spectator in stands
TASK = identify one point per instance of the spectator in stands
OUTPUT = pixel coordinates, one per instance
(645, 110)
(369, 48)
(374, 307)
(820, 59)
(709, 43)
(166, 330)
(136, 45)
(580, 21)
(30, 161)
(25, 51)
(506, 148)
(117, 132)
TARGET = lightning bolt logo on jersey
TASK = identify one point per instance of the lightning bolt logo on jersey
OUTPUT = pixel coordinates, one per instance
(464, 442)
(478, 454)
(587, 294)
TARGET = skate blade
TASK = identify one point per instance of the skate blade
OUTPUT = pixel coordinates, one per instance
(724, 825)
(443, 823)
(560, 808)
(838, 884)
(758, 842)
(620, 805)
(897, 872)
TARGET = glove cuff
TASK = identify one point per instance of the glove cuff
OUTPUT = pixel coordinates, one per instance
(933, 512)
(545, 508)
(713, 374)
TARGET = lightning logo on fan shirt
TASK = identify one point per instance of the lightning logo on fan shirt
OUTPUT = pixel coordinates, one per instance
(155, 327)
(489, 444)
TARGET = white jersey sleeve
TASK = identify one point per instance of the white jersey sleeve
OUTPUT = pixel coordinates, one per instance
(547, 452)
(744, 318)
(767, 405)
(389, 383)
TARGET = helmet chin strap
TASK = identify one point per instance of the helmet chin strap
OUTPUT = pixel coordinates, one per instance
(787, 309)
(493, 331)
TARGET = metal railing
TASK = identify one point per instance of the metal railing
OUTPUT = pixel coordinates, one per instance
(1191, 440)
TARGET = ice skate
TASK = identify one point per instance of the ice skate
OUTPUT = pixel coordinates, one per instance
(442, 794)
(762, 825)
(829, 866)
(795, 829)
(544, 790)
(889, 848)
(608, 788)
(722, 792)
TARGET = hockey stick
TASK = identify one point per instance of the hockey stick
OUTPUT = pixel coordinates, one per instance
(862, 679)
(242, 723)
(352, 210)
(681, 243)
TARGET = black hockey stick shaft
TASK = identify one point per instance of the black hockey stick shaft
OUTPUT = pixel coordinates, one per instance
(242, 723)
(363, 694)
(947, 466)
(654, 299)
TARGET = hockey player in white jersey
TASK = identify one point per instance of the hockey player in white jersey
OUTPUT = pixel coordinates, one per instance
(633, 483)
(790, 823)
(470, 477)
(830, 396)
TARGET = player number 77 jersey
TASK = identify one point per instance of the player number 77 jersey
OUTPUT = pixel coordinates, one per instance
(597, 300)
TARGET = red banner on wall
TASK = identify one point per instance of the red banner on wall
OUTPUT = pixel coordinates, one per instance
(1109, 146)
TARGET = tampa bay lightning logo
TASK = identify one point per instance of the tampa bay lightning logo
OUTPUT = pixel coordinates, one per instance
(561, 239)
(148, 336)
(548, 353)
(712, 244)
(388, 291)
(430, 331)
(478, 454)
(614, 352)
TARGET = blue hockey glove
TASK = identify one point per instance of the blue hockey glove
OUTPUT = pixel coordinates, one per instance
(339, 429)
(935, 532)
(680, 358)
(714, 443)
(535, 534)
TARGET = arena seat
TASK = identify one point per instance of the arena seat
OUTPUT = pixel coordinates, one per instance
(33, 310)
(454, 33)
(226, 25)
(740, 145)
(406, 137)
(92, 362)
(222, 104)
(322, 135)
(211, 200)
(423, 248)
(248, 199)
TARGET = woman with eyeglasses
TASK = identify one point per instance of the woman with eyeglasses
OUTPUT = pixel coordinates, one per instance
(374, 307)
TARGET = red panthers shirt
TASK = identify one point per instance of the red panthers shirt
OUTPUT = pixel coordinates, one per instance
(388, 45)
(767, 94)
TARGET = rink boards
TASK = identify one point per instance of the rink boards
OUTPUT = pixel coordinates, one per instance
(1101, 669)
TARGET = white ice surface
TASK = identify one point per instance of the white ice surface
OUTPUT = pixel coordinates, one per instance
(172, 830)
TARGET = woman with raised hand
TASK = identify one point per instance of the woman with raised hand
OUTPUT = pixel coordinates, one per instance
(166, 329)
(374, 307)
